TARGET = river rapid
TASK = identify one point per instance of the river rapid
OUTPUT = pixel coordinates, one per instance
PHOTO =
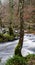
(7, 49)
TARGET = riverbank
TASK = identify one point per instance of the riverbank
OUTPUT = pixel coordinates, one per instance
(28, 60)
(7, 49)
(6, 38)
(30, 32)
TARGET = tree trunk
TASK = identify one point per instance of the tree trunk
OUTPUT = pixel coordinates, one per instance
(11, 17)
(19, 47)
(0, 23)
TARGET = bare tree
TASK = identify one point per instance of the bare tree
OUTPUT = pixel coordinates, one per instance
(11, 17)
(21, 11)
(0, 16)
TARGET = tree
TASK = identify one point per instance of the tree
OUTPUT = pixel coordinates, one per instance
(10, 29)
(0, 22)
(21, 11)
(0, 16)
(11, 17)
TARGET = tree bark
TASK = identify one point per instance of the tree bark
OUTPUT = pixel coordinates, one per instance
(21, 11)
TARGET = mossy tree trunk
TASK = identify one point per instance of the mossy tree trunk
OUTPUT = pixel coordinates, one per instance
(11, 17)
(21, 11)
(10, 29)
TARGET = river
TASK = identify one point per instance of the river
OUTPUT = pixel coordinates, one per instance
(7, 49)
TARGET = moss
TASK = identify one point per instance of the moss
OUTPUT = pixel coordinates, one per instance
(18, 50)
(11, 37)
(8, 37)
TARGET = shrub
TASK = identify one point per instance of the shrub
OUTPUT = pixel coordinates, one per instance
(11, 37)
(8, 37)
(16, 60)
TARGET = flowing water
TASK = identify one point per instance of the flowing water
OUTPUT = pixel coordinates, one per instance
(7, 49)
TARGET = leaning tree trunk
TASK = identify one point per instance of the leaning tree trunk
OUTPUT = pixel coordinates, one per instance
(21, 11)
